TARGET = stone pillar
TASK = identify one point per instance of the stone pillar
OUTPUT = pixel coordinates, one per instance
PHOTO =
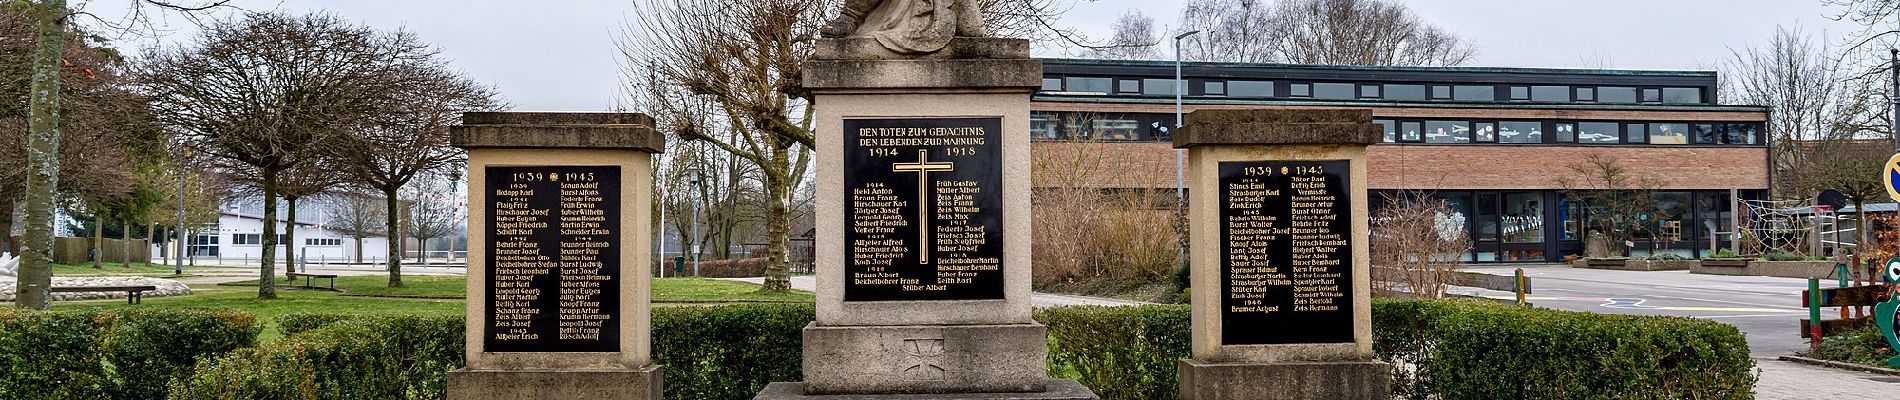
(1282, 289)
(558, 217)
(923, 225)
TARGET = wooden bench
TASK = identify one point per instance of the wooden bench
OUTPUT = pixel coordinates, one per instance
(308, 276)
(133, 294)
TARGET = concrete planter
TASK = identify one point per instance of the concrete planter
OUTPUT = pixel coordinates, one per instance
(1631, 264)
(1780, 269)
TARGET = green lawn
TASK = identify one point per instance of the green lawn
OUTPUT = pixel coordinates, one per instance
(139, 269)
(288, 301)
(665, 290)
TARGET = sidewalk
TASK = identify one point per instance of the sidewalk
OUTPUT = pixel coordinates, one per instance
(810, 284)
(1789, 380)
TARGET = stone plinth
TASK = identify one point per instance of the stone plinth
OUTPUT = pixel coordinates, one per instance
(557, 284)
(1278, 216)
(931, 301)
(1057, 389)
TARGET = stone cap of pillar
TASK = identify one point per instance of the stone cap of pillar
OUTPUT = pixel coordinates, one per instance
(966, 63)
(1278, 127)
(557, 130)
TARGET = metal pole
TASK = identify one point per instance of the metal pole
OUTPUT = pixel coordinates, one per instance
(178, 260)
(1180, 160)
(663, 258)
(701, 180)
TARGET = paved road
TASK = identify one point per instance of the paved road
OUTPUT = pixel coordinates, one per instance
(810, 283)
(1768, 310)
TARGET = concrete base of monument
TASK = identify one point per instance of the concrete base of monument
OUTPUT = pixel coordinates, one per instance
(1053, 389)
(639, 384)
(925, 359)
(1349, 380)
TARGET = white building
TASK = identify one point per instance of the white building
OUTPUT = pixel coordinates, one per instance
(238, 236)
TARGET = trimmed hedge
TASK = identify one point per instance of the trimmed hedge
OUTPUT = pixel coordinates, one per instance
(724, 352)
(129, 354)
(1440, 350)
(367, 357)
(1120, 352)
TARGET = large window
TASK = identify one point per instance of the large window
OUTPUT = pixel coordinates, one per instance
(1447, 132)
(1682, 95)
(202, 245)
(1520, 132)
(1487, 214)
(1409, 132)
(247, 239)
(1042, 126)
(1739, 134)
(1597, 132)
(1474, 93)
(1668, 133)
(1609, 94)
(1550, 93)
(1522, 220)
(1091, 85)
(1249, 89)
(1116, 129)
(1704, 134)
(1404, 92)
(1335, 91)
(1159, 87)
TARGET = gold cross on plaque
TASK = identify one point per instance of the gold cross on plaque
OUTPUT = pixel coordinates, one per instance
(923, 168)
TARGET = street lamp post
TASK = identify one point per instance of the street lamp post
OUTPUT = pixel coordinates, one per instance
(178, 259)
(1180, 160)
(699, 179)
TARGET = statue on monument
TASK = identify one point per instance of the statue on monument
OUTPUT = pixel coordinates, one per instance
(909, 27)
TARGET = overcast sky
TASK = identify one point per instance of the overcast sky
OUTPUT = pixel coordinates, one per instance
(559, 55)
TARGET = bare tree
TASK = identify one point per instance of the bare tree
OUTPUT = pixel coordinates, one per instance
(1418, 241)
(1133, 38)
(431, 214)
(1342, 32)
(357, 216)
(1617, 202)
(1815, 100)
(266, 90)
(410, 137)
(51, 21)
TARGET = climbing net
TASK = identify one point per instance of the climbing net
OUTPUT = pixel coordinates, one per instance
(1772, 225)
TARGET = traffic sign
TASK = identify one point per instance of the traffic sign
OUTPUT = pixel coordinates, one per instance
(1891, 175)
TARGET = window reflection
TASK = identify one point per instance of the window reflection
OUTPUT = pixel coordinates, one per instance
(1116, 129)
(1668, 133)
(1404, 92)
(1522, 220)
(1475, 93)
(1091, 85)
(1550, 93)
(1447, 132)
(1333, 91)
(1597, 132)
(1409, 132)
(1520, 132)
(1042, 126)
(1249, 89)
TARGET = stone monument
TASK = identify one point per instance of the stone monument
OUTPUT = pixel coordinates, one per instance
(1281, 300)
(923, 211)
(557, 283)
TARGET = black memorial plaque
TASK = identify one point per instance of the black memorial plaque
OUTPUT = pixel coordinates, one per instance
(553, 259)
(923, 208)
(1286, 252)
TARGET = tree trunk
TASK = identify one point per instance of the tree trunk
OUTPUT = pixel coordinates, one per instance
(98, 238)
(6, 228)
(125, 244)
(266, 279)
(779, 225)
(42, 154)
(394, 251)
(290, 237)
(422, 251)
(359, 249)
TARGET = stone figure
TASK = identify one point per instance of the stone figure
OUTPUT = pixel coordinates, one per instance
(9, 267)
(909, 27)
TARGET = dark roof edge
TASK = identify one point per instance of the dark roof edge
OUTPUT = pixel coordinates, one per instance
(1552, 71)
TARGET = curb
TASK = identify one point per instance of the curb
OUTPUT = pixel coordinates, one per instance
(1841, 365)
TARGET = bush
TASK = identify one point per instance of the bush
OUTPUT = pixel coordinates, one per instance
(729, 352)
(1864, 346)
(1120, 352)
(724, 352)
(129, 354)
(1782, 256)
(1663, 257)
(368, 357)
(1724, 253)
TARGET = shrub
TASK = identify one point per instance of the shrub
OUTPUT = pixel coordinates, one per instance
(295, 323)
(128, 354)
(1782, 256)
(1663, 257)
(1120, 352)
(1864, 346)
(1724, 253)
(729, 352)
(368, 357)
